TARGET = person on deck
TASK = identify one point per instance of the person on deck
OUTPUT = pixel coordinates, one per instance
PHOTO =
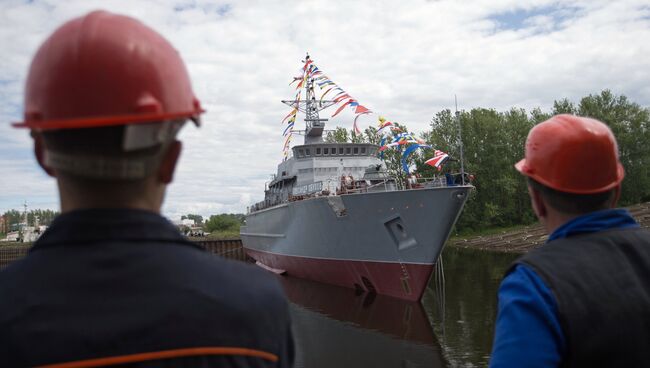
(111, 281)
(583, 298)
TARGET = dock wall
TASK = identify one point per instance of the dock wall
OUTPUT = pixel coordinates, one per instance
(227, 248)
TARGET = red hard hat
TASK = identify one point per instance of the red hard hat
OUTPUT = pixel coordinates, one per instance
(105, 69)
(572, 154)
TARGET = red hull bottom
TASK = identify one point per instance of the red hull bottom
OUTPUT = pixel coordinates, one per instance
(401, 280)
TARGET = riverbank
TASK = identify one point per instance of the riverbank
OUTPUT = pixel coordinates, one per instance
(523, 239)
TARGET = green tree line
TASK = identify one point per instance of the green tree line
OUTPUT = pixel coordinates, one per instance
(13, 217)
(494, 140)
(225, 224)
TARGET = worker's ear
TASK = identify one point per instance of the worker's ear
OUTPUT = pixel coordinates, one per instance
(538, 203)
(39, 152)
(168, 162)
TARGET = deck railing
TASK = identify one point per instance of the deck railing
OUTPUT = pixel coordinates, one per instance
(387, 184)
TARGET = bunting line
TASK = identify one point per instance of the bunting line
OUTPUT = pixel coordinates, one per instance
(404, 142)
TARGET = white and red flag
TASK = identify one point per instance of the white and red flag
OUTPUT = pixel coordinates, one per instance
(437, 160)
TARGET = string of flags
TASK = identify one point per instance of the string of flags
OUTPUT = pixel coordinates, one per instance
(291, 116)
(407, 144)
(402, 141)
(339, 95)
(341, 98)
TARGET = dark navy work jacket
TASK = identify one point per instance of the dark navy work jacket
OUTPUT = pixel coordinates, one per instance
(123, 286)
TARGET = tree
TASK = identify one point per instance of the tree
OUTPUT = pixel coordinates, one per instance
(631, 125)
(45, 217)
(339, 135)
(563, 106)
(225, 222)
(492, 142)
(13, 218)
(371, 135)
(537, 115)
(392, 157)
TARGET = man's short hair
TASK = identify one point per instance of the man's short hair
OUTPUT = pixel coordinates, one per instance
(101, 141)
(573, 203)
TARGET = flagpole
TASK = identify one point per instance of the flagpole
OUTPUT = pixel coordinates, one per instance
(460, 138)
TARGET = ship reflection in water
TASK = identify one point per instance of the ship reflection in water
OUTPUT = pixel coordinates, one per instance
(336, 327)
(463, 303)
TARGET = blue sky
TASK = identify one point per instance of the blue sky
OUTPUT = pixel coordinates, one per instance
(552, 15)
(404, 60)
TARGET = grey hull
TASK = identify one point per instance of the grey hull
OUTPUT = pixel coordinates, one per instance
(405, 228)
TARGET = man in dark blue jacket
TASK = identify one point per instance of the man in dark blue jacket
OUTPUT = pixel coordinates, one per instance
(111, 281)
(582, 299)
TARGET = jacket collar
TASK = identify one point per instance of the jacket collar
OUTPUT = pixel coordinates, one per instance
(595, 221)
(93, 225)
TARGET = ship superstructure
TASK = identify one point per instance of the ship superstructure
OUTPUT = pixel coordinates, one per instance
(332, 214)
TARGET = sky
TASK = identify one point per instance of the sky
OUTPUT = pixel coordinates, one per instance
(404, 60)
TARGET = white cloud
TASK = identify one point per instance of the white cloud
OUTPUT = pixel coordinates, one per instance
(405, 60)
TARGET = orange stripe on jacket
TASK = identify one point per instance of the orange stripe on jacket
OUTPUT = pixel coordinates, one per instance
(165, 354)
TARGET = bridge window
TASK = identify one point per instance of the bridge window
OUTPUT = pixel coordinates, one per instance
(301, 153)
(307, 152)
(340, 150)
(326, 151)
(356, 150)
(363, 150)
(333, 150)
(318, 151)
(348, 150)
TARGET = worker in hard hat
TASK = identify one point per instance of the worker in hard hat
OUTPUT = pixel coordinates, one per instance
(111, 281)
(583, 298)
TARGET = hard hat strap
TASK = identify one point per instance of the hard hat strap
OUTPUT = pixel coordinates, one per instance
(141, 136)
(97, 167)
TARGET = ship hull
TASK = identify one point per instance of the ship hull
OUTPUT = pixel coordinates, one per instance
(384, 242)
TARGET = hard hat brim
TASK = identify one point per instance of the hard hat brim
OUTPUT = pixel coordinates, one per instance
(620, 175)
(96, 122)
(520, 166)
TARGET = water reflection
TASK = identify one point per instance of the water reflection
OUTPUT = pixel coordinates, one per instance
(336, 327)
(463, 305)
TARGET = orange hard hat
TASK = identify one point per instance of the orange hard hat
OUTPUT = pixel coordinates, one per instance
(105, 69)
(572, 154)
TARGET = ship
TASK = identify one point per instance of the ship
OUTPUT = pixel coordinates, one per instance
(333, 214)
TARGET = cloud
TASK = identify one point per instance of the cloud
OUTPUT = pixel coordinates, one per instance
(402, 60)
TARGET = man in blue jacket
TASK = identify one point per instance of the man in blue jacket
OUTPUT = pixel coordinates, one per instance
(582, 299)
(111, 281)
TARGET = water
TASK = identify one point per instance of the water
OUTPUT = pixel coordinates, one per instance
(452, 327)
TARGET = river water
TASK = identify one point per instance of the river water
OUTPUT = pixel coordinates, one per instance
(452, 326)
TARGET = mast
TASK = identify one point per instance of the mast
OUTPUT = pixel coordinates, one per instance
(460, 138)
(314, 125)
(25, 212)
